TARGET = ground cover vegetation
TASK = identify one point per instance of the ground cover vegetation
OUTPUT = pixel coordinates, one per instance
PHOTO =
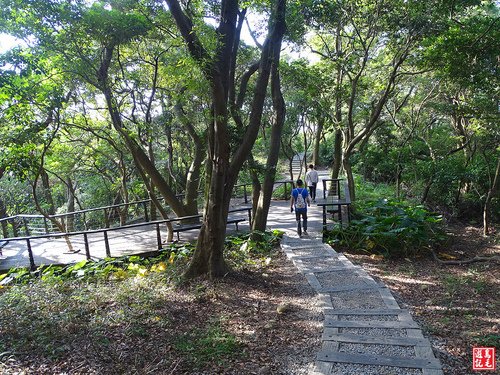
(134, 315)
(453, 299)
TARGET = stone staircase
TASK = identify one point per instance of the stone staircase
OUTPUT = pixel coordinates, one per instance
(365, 332)
(298, 168)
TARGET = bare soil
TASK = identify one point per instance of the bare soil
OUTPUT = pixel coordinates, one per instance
(458, 306)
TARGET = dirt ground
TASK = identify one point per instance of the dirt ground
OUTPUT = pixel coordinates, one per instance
(458, 306)
(258, 320)
(233, 326)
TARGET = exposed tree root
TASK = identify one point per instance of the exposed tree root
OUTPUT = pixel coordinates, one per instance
(465, 261)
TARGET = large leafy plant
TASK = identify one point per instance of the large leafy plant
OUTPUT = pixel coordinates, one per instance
(391, 229)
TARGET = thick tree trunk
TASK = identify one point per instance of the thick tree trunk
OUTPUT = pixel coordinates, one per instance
(489, 197)
(337, 154)
(208, 256)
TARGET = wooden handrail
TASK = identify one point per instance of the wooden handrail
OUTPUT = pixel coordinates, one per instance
(105, 234)
(128, 226)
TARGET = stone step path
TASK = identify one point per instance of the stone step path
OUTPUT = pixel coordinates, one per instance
(365, 331)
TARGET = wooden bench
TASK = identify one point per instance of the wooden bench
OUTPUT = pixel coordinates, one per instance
(197, 225)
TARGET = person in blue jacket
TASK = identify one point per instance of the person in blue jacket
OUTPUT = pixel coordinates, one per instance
(300, 200)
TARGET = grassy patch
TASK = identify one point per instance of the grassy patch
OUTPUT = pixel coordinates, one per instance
(212, 344)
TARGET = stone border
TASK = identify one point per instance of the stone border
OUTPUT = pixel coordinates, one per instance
(332, 337)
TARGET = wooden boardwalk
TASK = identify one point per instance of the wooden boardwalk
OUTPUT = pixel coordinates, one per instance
(364, 329)
(128, 241)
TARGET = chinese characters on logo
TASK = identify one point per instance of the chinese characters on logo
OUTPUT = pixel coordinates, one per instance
(483, 358)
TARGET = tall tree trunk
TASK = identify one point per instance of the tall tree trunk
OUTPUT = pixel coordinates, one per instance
(346, 163)
(140, 157)
(337, 154)
(337, 146)
(208, 256)
(317, 139)
(194, 173)
(70, 219)
(256, 185)
(487, 203)
(427, 189)
(47, 193)
(3, 214)
(260, 217)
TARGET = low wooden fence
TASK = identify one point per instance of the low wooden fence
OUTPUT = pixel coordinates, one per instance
(105, 231)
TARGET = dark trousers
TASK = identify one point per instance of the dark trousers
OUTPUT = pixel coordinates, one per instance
(298, 216)
(312, 191)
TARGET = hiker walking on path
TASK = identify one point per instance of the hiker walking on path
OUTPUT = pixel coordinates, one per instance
(300, 200)
(312, 181)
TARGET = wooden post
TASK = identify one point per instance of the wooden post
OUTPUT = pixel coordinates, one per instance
(158, 236)
(106, 244)
(30, 254)
(87, 249)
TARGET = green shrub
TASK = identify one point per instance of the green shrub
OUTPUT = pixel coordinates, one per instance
(108, 268)
(279, 192)
(241, 251)
(389, 228)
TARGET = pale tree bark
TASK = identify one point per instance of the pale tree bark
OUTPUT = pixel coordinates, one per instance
(487, 203)
(317, 139)
(337, 146)
(70, 203)
(256, 185)
(353, 138)
(337, 154)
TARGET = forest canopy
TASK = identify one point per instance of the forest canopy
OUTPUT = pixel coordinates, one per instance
(107, 102)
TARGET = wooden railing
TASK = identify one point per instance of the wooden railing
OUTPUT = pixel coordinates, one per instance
(84, 220)
(333, 204)
(105, 232)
